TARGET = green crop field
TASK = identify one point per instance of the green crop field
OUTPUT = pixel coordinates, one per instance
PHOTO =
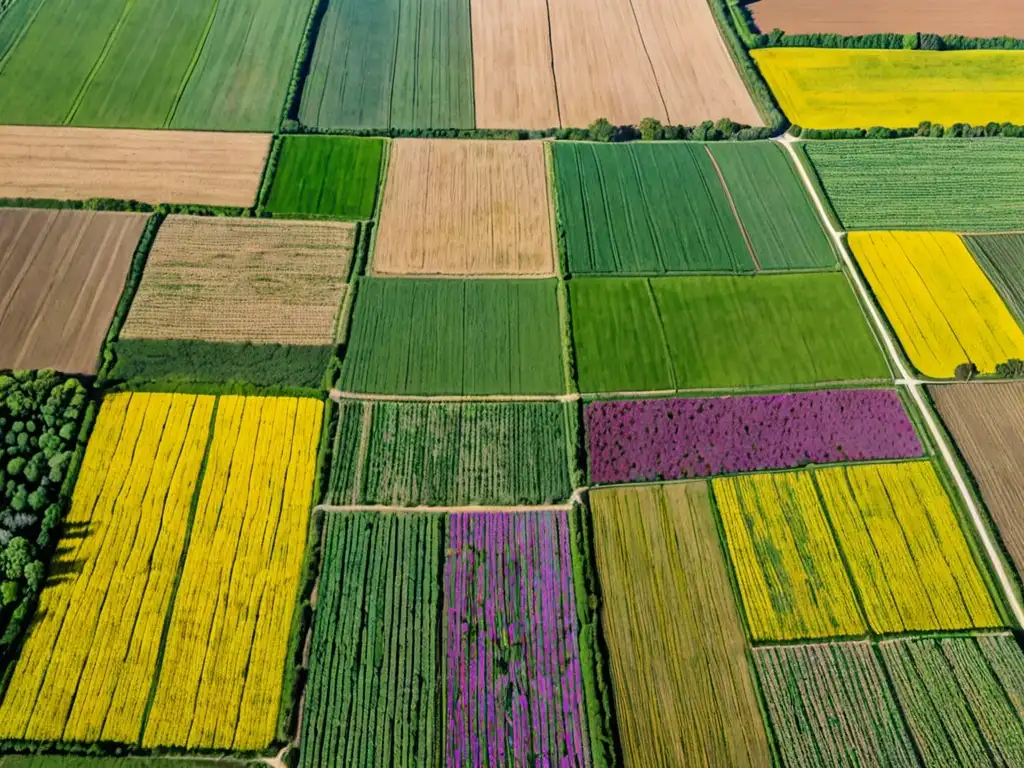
(456, 454)
(391, 64)
(963, 185)
(1002, 256)
(640, 334)
(14, 21)
(645, 209)
(773, 204)
(454, 337)
(327, 176)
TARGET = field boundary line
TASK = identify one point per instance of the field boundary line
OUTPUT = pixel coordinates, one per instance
(914, 387)
(450, 508)
(735, 210)
(187, 77)
(338, 396)
(650, 61)
(98, 64)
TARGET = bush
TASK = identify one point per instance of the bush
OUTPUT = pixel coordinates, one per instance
(1011, 369)
(966, 371)
(601, 130)
(651, 129)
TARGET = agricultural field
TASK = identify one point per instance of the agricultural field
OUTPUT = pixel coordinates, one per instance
(454, 337)
(150, 166)
(974, 87)
(961, 185)
(1001, 256)
(980, 18)
(62, 273)
(326, 176)
(170, 486)
(69, 761)
(674, 635)
(668, 439)
(457, 454)
(638, 334)
(986, 422)
(391, 65)
(465, 208)
(938, 300)
(830, 704)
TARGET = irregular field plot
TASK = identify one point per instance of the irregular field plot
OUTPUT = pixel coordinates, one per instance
(643, 440)
(1002, 258)
(938, 300)
(327, 176)
(986, 422)
(844, 88)
(645, 209)
(674, 635)
(465, 207)
(454, 337)
(452, 453)
(391, 65)
(953, 184)
(830, 704)
(635, 334)
(154, 478)
(151, 166)
(961, 697)
(61, 278)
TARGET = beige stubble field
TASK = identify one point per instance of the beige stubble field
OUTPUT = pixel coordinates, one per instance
(61, 277)
(149, 166)
(465, 208)
(243, 280)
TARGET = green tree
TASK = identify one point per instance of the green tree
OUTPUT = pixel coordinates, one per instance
(601, 130)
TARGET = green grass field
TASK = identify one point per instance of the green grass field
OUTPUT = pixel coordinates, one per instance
(773, 204)
(391, 64)
(327, 176)
(451, 454)
(963, 185)
(454, 337)
(1001, 257)
(645, 209)
(637, 334)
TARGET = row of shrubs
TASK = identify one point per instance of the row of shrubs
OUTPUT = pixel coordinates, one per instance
(1011, 369)
(913, 41)
(925, 129)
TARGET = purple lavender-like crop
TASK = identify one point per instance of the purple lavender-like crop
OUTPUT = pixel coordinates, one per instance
(633, 440)
(514, 683)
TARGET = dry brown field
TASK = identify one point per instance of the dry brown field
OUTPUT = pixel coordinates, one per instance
(150, 166)
(987, 421)
(974, 18)
(61, 277)
(465, 208)
(243, 280)
(513, 77)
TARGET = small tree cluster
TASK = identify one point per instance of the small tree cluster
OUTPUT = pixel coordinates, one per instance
(1011, 369)
(965, 371)
(925, 129)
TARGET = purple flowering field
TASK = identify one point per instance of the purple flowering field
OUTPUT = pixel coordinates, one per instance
(514, 685)
(636, 440)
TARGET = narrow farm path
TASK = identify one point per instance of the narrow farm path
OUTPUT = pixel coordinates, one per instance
(735, 211)
(338, 395)
(913, 386)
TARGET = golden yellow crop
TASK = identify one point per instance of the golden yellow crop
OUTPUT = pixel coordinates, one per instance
(905, 548)
(845, 88)
(939, 301)
(790, 574)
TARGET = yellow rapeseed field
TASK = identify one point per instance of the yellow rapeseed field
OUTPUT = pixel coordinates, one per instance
(905, 548)
(939, 301)
(844, 88)
(790, 573)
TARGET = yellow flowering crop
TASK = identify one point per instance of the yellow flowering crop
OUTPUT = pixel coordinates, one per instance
(905, 548)
(939, 301)
(846, 88)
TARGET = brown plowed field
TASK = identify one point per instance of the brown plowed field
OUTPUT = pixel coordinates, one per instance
(987, 421)
(974, 18)
(243, 280)
(61, 277)
(514, 80)
(150, 166)
(465, 208)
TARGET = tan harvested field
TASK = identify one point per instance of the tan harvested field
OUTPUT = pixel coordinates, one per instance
(974, 18)
(243, 280)
(150, 166)
(513, 77)
(987, 421)
(465, 208)
(61, 277)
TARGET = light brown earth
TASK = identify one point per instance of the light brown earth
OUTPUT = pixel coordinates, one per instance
(465, 208)
(150, 166)
(513, 77)
(243, 280)
(61, 277)
(987, 421)
(974, 18)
